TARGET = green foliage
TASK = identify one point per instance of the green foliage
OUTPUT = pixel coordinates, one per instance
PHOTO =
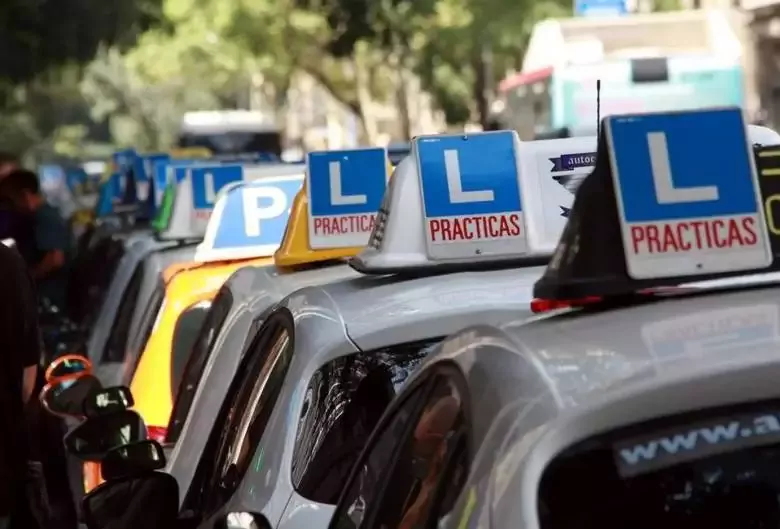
(78, 72)
(36, 35)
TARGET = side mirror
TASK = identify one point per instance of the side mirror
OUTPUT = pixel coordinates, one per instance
(93, 438)
(132, 460)
(68, 365)
(65, 396)
(149, 500)
(107, 401)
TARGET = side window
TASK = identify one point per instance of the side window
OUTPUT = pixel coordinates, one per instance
(363, 491)
(250, 407)
(425, 465)
(184, 334)
(117, 338)
(199, 357)
(149, 322)
(344, 401)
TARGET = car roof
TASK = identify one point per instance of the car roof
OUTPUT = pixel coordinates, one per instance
(369, 304)
(594, 371)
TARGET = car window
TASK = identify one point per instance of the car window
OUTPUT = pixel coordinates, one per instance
(363, 491)
(199, 357)
(148, 324)
(114, 350)
(706, 468)
(250, 408)
(343, 403)
(184, 334)
(412, 496)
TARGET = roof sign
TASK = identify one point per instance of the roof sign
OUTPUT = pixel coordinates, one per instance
(456, 200)
(674, 199)
(105, 203)
(295, 249)
(196, 192)
(683, 212)
(122, 162)
(345, 189)
(471, 195)
(551, 173)
(144, 172)
(195, 196)
(249, 219)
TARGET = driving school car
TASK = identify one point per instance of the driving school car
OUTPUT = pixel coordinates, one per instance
(328, 359)
(156, 378)
(663, 400)
(311, 253)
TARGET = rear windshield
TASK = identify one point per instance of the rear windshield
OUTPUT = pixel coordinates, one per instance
(343, 402)
(708, 470)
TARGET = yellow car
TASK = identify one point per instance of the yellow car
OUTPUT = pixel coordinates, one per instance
(188, 296)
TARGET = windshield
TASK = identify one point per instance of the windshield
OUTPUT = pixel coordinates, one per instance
(712, 469)
(343, 402)
(233, 142)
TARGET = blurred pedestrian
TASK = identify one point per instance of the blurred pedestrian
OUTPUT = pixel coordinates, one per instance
(21, 345)
(51, 234)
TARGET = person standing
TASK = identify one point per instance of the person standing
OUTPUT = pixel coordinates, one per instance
(20, 342)
(51, 234)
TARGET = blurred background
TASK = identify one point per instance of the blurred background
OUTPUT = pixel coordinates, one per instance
(81, 78)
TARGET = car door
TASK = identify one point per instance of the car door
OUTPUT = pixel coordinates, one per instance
(417, 461)
(244, 415)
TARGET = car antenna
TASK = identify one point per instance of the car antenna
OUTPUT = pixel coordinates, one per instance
(598, 106)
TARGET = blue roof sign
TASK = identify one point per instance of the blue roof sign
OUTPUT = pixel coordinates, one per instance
(687, 193)
(249, 219)
(470, 188)
(195, 196)
(345, 189)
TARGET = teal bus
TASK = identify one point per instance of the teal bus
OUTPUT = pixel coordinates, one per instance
(645, 64)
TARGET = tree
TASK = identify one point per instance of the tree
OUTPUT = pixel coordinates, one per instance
(38, 35)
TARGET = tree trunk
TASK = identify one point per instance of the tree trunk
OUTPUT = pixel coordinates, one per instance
(365, 101)
(482, 89)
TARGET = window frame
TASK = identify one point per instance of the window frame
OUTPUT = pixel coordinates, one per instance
(202, 305)
(206, 494)
(305, 460)
(196, 364)
(126, 307)
(422, 385)
(147, 325)
(450, 372)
